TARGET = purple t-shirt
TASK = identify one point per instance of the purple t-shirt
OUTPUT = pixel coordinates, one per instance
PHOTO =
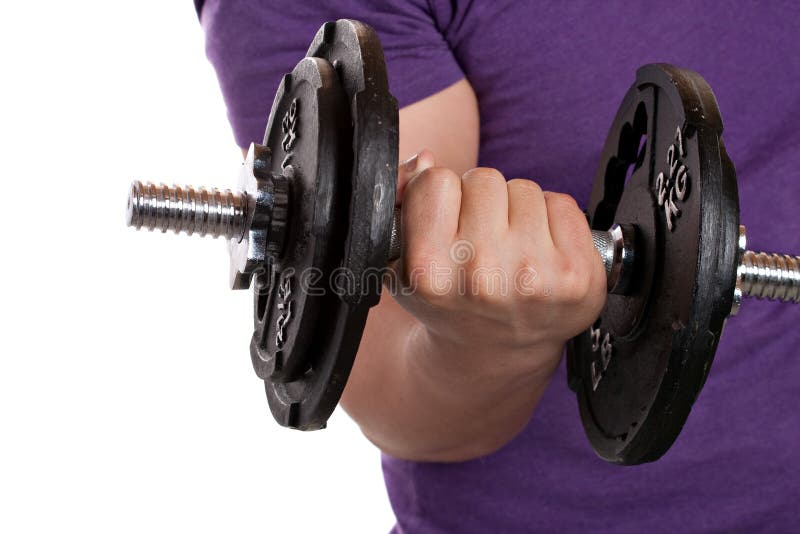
(549, 77)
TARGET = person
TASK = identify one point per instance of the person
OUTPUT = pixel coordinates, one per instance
(466, 394)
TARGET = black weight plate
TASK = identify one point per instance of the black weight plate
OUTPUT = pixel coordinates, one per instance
(367, 190)
(638, 370)
(306, 149)
(353, 48)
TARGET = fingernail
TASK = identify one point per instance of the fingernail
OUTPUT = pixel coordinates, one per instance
(411, 163)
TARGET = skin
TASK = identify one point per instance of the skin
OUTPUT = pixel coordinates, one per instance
(453, 369)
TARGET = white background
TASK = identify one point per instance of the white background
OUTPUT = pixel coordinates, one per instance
(127, 398)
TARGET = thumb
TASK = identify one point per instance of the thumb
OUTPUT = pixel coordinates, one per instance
(410, 168)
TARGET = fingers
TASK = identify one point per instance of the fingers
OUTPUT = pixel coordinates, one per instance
(431, 203)
(484, 205)
(568, 227)
(439, 207)
(527, 210)
(583, 276)
(410, 168)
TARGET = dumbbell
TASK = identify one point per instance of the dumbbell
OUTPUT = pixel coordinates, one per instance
(313, 225)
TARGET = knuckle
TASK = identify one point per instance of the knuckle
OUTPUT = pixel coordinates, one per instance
(528, 264)
(575, 280)
(439, 176)
(487, 280)
(483, 176)
(418, 260)
(473, 268)
(485, 254)
(530, 269)
(434, 180)
(524, 186)
(421, 277)
(560, 202)
(491, 290)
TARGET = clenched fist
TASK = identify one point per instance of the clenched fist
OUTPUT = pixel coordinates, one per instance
(493, 263)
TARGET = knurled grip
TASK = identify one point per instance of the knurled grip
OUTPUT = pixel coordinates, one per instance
(604, 244)
(394, 239)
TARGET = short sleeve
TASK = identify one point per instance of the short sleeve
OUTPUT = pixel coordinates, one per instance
(252, 44)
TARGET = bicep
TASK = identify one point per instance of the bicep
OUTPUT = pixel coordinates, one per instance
(447, 124)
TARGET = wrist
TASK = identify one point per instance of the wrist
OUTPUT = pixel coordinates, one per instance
(484, 356)
(447, 402)
(475, 401)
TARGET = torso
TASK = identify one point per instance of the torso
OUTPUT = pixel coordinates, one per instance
(549, 79)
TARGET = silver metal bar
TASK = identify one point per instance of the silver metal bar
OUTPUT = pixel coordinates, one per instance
(770, 276)
(764, 275)
(224, 214)
(187, 209)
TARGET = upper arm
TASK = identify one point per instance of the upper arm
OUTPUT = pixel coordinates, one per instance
(445, 123)
(251, 46)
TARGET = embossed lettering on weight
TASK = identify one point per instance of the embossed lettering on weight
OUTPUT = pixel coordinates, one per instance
(602, 344)
(674, 187)
(285, 308)
(289, 129)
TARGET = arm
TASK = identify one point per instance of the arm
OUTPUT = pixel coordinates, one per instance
(449, 380)
(378, 395)
(416, 391)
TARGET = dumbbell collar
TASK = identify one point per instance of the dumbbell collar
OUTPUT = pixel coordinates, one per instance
(266, 214)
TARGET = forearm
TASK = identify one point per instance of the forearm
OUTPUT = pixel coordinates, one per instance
(413, 397)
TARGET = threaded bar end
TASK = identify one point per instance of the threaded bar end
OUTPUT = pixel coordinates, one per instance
(187, 209)
(770, 276)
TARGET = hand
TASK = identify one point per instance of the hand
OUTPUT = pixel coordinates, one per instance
(493, 265)
(493, 278)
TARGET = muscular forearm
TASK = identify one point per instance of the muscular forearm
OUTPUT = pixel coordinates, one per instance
(415, 410)
(454, 375)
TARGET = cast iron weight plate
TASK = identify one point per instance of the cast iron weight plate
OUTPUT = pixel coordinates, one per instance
(360, 239)
(355, 51)
(638, 370)
(303, 135)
